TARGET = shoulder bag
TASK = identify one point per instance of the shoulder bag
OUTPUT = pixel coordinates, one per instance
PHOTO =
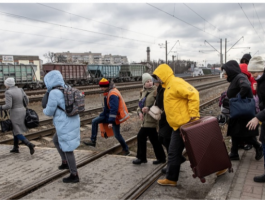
(155, 112)
(242, 107)
(31, 118)
(6, 124)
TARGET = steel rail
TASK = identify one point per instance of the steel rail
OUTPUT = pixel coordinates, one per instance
(93, 87)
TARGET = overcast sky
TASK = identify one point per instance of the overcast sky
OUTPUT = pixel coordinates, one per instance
(129, 28)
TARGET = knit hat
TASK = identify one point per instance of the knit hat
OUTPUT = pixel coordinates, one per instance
(155, 80)
(9, 82)
(146, 77)
(246, 57)
(256, 64)
(103, 83)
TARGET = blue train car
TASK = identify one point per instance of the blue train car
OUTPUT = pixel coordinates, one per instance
(132, 72)
(107, 71)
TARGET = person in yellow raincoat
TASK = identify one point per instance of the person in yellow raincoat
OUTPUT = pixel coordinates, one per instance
(181, 104)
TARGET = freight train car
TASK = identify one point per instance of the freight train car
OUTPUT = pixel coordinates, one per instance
(24, 75)
(132, 72)
(73, 74)
(107, 71)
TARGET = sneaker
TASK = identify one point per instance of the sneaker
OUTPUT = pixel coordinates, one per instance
(259, 153)
(260, 179)
(71, 179)
(138, 161)
(156, 162)
(167, 182)
(126, 153)
(222, 172)
(90, 143)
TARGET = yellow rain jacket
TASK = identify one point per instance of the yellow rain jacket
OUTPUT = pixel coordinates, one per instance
(181, 100)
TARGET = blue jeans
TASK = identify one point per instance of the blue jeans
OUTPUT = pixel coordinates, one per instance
(17, 138)
(115, 128)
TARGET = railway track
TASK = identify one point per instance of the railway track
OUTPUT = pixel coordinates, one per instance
(86, 117)
(133, 194)
(96, 90)
(123, 88)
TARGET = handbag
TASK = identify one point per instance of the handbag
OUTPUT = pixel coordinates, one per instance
(242, 107)
(6, 124)
(31, 118)
(155, 112)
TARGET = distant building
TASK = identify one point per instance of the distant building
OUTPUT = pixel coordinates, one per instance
(92, 58)
(23, 59)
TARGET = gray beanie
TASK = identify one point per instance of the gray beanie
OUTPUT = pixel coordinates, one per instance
(256, 64)
(146, 77)
(155, 80)
(9, 82)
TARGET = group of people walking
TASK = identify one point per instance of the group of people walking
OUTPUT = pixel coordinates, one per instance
(178, 101)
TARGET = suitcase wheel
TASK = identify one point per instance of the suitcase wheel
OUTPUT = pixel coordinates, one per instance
(194, 175)
(231, 170)
(203, 180)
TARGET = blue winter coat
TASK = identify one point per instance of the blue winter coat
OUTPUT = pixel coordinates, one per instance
(67, 128)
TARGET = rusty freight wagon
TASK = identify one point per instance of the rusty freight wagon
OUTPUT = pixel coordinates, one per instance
(74, 74)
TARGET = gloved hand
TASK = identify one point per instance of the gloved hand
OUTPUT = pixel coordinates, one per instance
(45, 100)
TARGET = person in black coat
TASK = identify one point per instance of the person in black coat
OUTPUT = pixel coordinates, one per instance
(237, 126)
(165, 131)
(257, 71)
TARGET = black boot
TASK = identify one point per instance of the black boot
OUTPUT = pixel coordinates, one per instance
(71, 179)
(64, 165)
(30, 146)
(233, 156)
(90, 143)
(15, 147)
(259, 153)
(164, 170)
(260, 179)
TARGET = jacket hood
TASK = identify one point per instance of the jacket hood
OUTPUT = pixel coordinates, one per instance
(52, 79)
(232, 69)
(244, 69)
(246, 57)
(164, 72)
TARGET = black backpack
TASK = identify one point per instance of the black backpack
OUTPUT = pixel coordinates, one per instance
(31, 118)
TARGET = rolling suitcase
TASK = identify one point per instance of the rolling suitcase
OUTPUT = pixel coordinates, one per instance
(105, 130)
(205, 147)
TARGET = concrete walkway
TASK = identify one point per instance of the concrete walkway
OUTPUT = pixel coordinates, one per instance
(243, 186)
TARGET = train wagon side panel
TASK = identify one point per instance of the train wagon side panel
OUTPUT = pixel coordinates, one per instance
(106, 71)
(137, 71)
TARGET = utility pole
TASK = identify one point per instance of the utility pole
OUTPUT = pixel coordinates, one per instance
(221, 60)
(225, 48)
(166, 52)
(173, 64)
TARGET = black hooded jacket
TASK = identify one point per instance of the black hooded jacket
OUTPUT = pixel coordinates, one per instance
(246, 57)
(239, 82)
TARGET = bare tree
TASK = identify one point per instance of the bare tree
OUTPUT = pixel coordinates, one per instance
(61, 58)
(50, 56)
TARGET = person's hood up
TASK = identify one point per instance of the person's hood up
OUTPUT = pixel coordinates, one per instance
(164, 72)
(244, 69)
(52, 79)
(232, 69)
(246, 57)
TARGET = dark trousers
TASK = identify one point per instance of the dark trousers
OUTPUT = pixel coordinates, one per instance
(176, 147)
(152, 134)
(249, 140)
(164, 141)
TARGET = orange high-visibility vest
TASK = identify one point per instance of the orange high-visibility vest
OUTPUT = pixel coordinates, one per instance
(122, 114)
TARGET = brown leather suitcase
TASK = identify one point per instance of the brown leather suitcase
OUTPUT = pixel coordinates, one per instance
(105, 130)
(205, 147)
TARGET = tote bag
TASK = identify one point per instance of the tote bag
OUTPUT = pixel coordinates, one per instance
(242, 107)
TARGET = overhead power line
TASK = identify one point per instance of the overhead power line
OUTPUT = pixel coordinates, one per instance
(258, 18)
(19, 16)
(182, 20)
(94, 20)
(250, 22)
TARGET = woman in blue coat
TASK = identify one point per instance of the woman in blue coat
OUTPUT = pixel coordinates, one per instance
(67, 136)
